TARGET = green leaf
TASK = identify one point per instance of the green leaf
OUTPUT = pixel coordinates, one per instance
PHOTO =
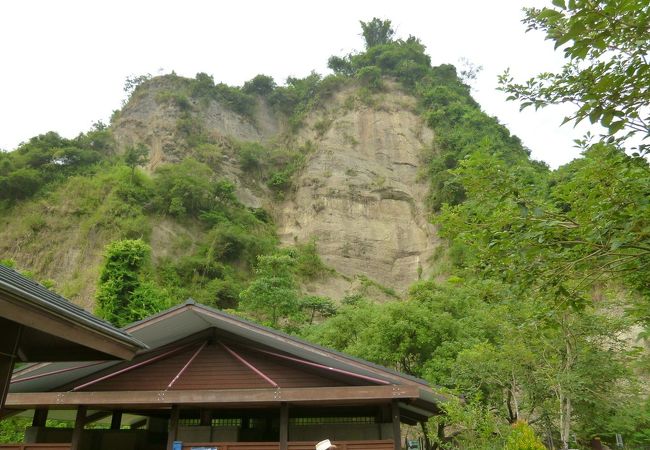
(559, 3)
(595, 114)
(606, 120)
(617, 126)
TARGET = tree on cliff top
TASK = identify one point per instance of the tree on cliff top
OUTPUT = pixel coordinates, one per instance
(377, 32)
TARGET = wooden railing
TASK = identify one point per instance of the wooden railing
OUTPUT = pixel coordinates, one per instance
(386, 444)
(35, 446)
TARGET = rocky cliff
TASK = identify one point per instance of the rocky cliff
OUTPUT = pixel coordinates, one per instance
(357, 194)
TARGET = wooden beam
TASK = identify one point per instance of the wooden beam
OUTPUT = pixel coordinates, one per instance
(138, 424)
(172, 431)
(284, 426)
(343, 394)
(397, 433)
(243, 360)
(97, 416)
(79, 423)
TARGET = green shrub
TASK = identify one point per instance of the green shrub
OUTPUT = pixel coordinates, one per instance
(308, 263)
(370, 77)
(185, 188)
(280, 181)
(177, 99)
(251, 155)
(260, 85)
(124, 294)
(522, 437)
(228, 243)
(12, 429)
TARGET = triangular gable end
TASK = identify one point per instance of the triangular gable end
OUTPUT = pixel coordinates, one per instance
(214, 362)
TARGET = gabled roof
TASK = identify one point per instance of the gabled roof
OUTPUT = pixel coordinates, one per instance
(193, 317)
(54, 328)
(202, 336)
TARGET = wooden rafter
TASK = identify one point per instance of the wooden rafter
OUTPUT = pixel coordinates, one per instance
(241, 359)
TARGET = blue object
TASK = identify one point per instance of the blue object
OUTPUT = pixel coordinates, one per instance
(177, 445)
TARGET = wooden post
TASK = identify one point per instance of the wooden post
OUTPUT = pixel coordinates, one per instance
(397, 434)
(40, 417)
(284, 426)
(116, 420)
(173, 427)
(10, 334)
(79, 423)
(206, 417)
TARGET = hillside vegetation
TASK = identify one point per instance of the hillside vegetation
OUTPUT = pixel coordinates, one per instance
(521, 288)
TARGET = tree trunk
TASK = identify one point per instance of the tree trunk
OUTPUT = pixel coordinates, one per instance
(427, 441)
(564, 396)
(565, 419)
(513, 392)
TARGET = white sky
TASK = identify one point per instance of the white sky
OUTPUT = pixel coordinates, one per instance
(63, 63)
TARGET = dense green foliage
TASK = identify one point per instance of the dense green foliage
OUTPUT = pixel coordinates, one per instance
(562, 263)
(47, 159)
(606, 76)
(124, 294)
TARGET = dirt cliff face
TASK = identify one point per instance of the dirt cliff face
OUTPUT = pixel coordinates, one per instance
(358, 193)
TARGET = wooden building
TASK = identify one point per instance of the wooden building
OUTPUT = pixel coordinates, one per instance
(38, 325)
(213, 380)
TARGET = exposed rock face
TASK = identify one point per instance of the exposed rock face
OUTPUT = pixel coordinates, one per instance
(149, 120)
(359, 194)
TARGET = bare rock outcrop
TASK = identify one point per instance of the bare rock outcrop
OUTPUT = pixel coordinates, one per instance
(359, 195)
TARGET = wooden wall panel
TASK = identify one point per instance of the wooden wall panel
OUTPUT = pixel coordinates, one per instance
(154, 376)
(215, 368)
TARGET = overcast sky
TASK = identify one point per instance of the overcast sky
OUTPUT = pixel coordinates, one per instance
(64, 62)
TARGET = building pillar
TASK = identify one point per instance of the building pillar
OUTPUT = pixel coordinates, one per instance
(172, 431)
(10, 334)
(397, 433)
(78, 430)
(116, 420)
(284, 426)
(40, 417)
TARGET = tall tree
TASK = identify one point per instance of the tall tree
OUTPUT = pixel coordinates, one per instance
(273, 296)
(550, 239)
(134, 156)
(377, 32)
